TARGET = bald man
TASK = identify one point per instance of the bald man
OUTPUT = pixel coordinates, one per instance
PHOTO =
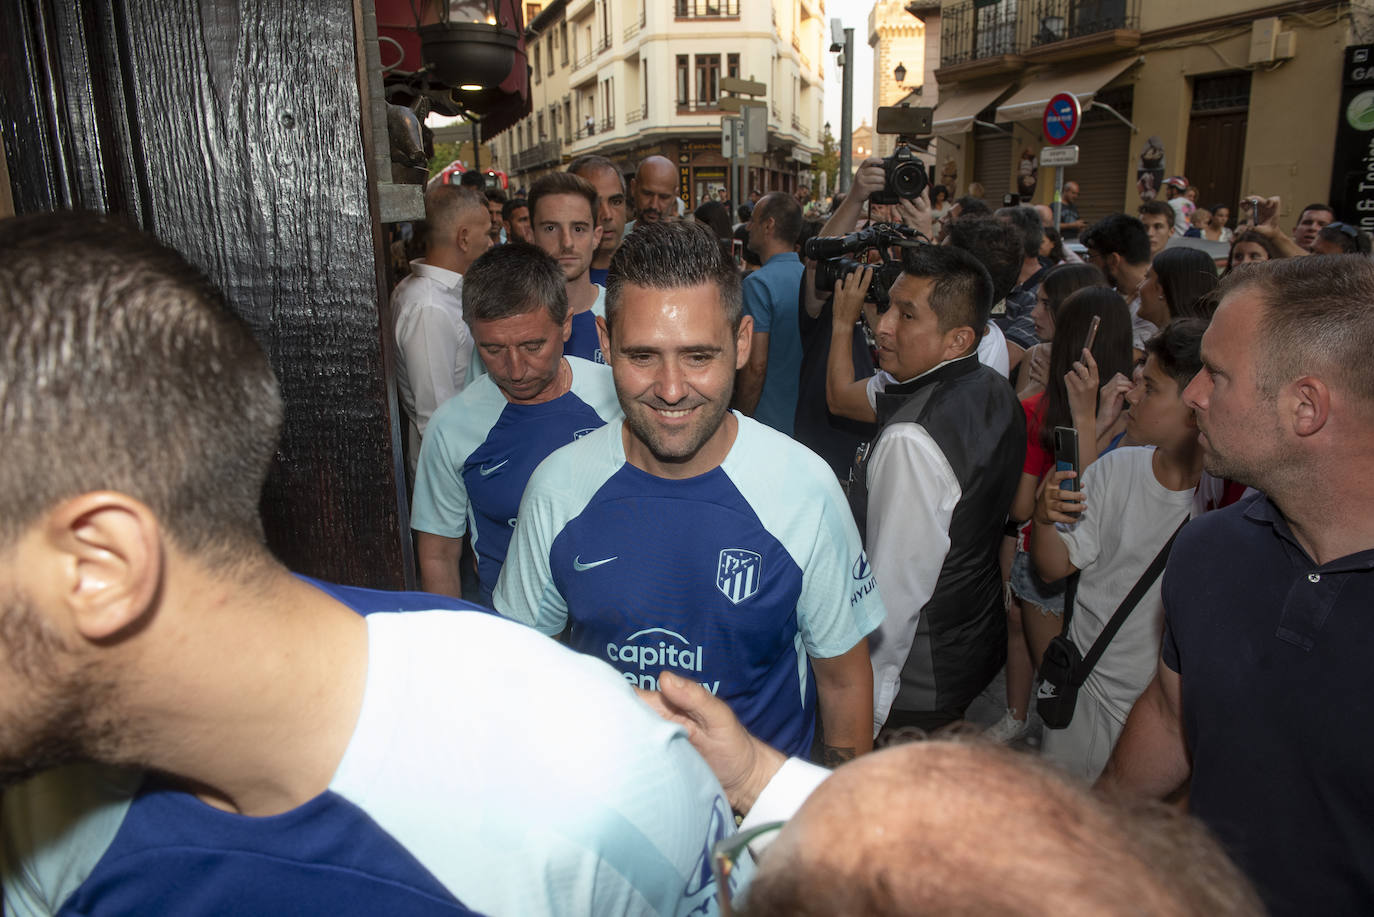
(654, 190)
(949, 827)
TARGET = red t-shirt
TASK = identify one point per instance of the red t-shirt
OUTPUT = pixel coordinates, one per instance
(1039, 460)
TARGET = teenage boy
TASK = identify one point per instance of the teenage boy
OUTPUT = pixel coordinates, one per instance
(1131, 501)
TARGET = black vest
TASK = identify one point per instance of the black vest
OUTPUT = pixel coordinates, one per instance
(973, 416)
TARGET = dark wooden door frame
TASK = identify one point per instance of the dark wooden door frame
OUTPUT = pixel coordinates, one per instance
(237, 131)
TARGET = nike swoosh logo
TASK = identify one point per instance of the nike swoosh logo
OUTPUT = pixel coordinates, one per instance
(494, 468)
(580, 567)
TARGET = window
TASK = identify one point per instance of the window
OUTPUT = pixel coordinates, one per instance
(682, 97)
(551, 43)
(732, 66)
(563, 34)
(537, 69)
(542, 135)
(995, 29)
(567, 121)
(532, 11)
(708, 78)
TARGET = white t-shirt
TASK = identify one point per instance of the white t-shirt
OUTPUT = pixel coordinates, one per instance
(1128, 517)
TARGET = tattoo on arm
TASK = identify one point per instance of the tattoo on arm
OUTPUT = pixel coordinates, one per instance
(833, 757)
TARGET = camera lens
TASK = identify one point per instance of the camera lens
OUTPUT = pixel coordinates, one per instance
(908, 180)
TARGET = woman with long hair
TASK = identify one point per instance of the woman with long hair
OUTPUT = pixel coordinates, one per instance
(1175, 281)
(1059, 282)
(1034, 608)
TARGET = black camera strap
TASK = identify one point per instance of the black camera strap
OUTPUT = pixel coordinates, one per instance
(1142, 585)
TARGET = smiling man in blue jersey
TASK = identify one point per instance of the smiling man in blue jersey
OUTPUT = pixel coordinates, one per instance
(187, 728)
(484, 444)
(694, 538)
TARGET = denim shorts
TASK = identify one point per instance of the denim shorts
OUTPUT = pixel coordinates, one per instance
(1027, 586)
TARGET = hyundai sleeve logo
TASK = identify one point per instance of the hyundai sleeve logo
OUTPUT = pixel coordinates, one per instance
(862, 570)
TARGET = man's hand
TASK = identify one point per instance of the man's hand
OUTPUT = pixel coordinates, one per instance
(1111, 401)
(742, 763)
(1054, 505)
(849, 299)
(916, 214)
(869, 177)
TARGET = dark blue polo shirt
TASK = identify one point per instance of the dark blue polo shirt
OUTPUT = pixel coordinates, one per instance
(1276, 656)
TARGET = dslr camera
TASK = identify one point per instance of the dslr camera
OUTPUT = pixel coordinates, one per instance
(906, 173)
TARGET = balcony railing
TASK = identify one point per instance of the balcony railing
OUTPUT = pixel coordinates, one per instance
(604, 43)
(584, 60)
(972, 31)
(697, 107)
(634, 28)
(606, 124)
(705, 9)
(637, 114)
(538, 155)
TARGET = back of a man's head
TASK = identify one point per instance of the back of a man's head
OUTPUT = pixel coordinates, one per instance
(445, 206)
(122, 369)
(970, 206)
(962, 295)
(1119, 234)
(970, 828)
(1028, 222)
(514, 279)
(671, 256)
(1318, 319)
(997, 245)
(786, 214)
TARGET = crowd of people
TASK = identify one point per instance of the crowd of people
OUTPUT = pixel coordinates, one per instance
(700, 520)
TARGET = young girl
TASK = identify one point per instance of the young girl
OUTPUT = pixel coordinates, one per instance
(1176, 280)
(1054, 289)
(1035, 608)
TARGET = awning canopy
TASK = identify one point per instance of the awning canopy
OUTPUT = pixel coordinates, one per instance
(957, 109)
(1028, 103)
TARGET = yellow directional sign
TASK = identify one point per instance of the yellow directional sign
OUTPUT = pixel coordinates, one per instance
(743, 87)
(731, 103)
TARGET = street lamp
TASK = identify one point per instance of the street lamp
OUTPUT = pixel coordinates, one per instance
(900, 73)
(467, 48)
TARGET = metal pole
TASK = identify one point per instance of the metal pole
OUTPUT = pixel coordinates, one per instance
(847, 114)
(476, 149)
(1058, 192)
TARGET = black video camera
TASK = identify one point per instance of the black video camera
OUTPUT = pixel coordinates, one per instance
(906, 173)
(833, 262)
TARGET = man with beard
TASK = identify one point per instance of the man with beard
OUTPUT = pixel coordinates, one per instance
(1263, 680)
(563, 214)
(258, 742)
(693, 538)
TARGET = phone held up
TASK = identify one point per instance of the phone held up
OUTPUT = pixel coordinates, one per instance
(1066, 455)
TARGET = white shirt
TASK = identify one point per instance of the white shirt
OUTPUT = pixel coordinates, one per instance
(433, 343)
(1128, 517)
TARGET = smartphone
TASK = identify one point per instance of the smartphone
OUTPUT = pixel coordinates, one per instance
(1092, 332)
(737, 250)
(1066, 455)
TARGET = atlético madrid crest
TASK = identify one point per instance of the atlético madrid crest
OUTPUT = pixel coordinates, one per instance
(739, 574)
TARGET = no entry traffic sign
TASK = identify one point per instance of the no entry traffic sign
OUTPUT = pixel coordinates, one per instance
(1060, 122)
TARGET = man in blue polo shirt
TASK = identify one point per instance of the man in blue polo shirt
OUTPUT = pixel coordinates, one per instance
(693, 538)
(767, 387)
(484, 444)
(1262, 693)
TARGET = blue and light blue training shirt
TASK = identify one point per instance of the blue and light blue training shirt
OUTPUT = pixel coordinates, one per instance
(480, 450)
(490, 771)
(733, 578)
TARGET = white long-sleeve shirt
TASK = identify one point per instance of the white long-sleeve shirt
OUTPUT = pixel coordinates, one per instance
(433, 343)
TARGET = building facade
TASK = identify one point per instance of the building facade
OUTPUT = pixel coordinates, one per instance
(633, 78)
(1241, 97)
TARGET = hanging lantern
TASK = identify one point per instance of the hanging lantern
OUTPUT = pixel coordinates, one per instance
(467, 48)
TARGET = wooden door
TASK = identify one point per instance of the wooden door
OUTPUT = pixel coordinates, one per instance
(1216, 153)
(234, 130)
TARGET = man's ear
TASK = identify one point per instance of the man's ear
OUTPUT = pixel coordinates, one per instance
(110, 561)
(597, 233)
(604, 334)
(959, 341)
(1309, 401)
(744, 341)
